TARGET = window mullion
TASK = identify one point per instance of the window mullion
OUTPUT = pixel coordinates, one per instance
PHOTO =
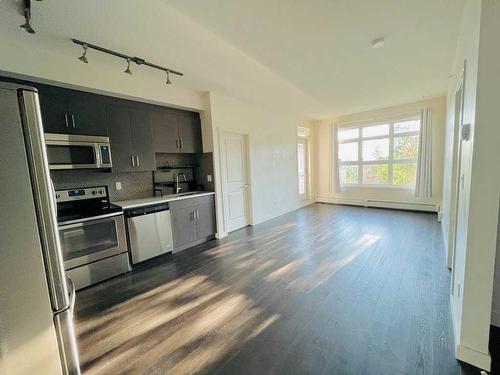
(391, 151)
(360, 161)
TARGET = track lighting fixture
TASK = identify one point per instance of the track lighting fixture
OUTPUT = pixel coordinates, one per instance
(83, 58)
(26, 26)
(129, 59)
(128, 71)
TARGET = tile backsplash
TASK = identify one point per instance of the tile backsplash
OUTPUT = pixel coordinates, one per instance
(134, 184)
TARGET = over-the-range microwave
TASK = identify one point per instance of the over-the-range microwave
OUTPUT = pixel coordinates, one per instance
(68, 151)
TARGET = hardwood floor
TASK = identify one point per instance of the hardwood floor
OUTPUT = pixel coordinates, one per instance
(323, 290)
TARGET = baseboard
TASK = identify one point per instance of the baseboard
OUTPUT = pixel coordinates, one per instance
(412, 206)
(219, 235)
(306, 203)
(473, 357)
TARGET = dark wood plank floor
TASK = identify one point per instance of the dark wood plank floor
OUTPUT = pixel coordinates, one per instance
(323, 290)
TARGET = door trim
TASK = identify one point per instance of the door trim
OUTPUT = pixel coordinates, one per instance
(455, 177)
(223, 173)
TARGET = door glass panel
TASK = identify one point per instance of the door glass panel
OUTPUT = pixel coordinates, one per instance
(60, 155)
(407, 126)
(302, 168)
(88, 239)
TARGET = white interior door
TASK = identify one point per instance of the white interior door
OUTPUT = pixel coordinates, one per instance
(234, 153)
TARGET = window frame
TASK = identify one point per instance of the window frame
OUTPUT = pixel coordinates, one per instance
(390, 160)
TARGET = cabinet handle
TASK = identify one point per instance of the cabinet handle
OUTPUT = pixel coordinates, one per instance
(73, 121)
(133, 160)
(177, 143)
(137, 160)
(66, 120)
(197, 215)
(181, 142)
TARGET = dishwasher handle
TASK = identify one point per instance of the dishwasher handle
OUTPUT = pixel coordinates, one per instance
(146, 210)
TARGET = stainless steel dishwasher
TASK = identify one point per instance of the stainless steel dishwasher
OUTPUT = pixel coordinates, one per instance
(149, 232)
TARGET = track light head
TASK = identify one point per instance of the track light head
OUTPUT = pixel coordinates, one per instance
(83, 58)
(128, 71)
(169, 82)
(26, 26)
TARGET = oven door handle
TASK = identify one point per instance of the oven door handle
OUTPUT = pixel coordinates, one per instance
(79, 222)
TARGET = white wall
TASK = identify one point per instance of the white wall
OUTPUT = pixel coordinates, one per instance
(272, 138)
(323, 155)
(479, 196)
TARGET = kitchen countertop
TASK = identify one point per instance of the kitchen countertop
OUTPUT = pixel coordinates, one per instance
(143, 202)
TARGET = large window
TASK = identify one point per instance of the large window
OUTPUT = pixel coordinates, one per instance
(380, 154)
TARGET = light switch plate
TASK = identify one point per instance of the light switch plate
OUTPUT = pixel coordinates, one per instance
(209, 177)
(118, 185)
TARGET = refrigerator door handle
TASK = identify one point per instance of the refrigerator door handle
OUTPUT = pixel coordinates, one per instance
(45, 205)
(72, 295)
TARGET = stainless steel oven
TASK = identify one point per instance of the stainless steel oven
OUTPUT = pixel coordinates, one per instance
(67, 151)
(92, 239)
(92, 235)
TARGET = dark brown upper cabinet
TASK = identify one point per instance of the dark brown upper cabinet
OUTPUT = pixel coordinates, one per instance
(130, 136)
(71, 112)
(176, 132)
(189, 134)
(165, 131)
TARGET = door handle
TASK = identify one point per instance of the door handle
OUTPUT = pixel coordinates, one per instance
(245, 186)
(66, 120)
(72, 295)
(73, 121)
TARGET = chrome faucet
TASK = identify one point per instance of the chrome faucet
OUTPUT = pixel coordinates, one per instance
(177, 188)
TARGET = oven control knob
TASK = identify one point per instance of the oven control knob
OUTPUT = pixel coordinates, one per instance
(58, 196)
(94, 192)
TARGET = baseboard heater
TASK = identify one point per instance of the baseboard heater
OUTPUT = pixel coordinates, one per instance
(401, 205)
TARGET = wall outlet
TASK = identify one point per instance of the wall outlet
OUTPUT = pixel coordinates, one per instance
(209, 177)
(118, 185)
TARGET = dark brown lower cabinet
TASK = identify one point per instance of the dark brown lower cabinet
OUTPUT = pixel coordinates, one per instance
(193, 221)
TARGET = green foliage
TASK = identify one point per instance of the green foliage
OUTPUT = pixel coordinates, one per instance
(406, 147)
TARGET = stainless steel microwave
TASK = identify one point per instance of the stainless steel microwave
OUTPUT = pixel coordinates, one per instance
(68, 151)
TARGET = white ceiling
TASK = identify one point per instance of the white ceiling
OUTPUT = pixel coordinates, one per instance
(310, 56)
(323, 46)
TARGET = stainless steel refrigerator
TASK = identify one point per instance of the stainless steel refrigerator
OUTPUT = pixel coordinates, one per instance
(36, 299)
